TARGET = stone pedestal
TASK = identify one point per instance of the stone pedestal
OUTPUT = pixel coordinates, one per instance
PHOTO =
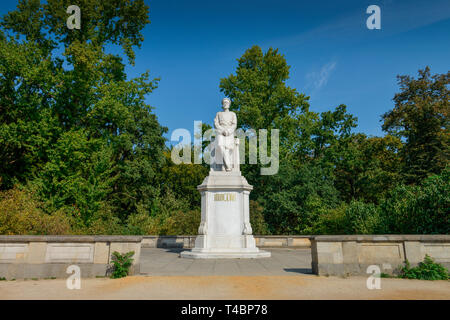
(225, 230)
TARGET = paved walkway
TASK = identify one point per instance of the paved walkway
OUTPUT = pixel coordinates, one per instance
(300, 286)
(166, 262)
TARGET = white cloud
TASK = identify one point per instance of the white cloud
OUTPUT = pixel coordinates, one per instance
(318, 79)
(396, 17)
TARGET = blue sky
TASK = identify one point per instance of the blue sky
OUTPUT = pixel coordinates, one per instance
(334, 58)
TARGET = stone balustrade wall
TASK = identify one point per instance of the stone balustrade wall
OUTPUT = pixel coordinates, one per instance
(49, 256)
(261, 241)
(28, 257)
(353, 254)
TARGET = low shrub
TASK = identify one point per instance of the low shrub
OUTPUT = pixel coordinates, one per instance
(121, 264)
(426, 270)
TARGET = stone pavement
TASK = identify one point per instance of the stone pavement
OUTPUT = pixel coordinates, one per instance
(284, 261)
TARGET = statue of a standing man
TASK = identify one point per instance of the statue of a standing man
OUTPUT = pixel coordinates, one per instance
(225, 123)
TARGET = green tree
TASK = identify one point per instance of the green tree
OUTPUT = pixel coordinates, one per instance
(257, 220)
(361, 218)
(365, 168)
(418, 209)
(183, 179)
(21, 213)
(72, 125)
(420, 116)
(294, 198)
(260, 96)
(259, 91)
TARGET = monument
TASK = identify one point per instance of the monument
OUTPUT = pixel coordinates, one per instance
(225, 230)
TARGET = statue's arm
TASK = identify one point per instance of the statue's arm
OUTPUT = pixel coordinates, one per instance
(217, 125)
(233, 124)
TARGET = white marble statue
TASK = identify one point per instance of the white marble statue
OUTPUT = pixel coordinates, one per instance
(225, 230)
(226, 156)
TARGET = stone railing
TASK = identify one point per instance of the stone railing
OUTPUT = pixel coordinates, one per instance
(49, 256)
(352, 254)
(261, 241)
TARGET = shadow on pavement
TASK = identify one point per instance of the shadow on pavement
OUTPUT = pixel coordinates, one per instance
(299, 270)
(174, 250)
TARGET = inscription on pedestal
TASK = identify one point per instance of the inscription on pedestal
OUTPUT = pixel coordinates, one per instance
(225, 197)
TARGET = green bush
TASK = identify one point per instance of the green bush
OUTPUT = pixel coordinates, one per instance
(422, 209)
(332, 221)
(361, 218)
(426, 270)
(168, 215)
(257, 220)
(121, 263)
(294, 198)
(183, 222)
(21, 213)
(104, 221)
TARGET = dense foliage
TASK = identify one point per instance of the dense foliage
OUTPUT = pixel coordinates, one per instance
(426, 270)
(333, 180)
(81, 151)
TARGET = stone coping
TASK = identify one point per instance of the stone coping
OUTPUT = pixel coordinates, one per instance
(181, 236)
(225, 187)
(68, 238)
(321, 238)
(383, 238)
(281, 236)
(255, 235)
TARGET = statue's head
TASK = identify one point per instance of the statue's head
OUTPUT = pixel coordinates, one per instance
(226, 103)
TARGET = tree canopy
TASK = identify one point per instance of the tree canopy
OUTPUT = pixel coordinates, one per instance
(82, 151)
(73, 127)
(420, 116)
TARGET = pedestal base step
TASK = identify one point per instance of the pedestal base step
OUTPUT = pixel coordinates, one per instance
(225, 255)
